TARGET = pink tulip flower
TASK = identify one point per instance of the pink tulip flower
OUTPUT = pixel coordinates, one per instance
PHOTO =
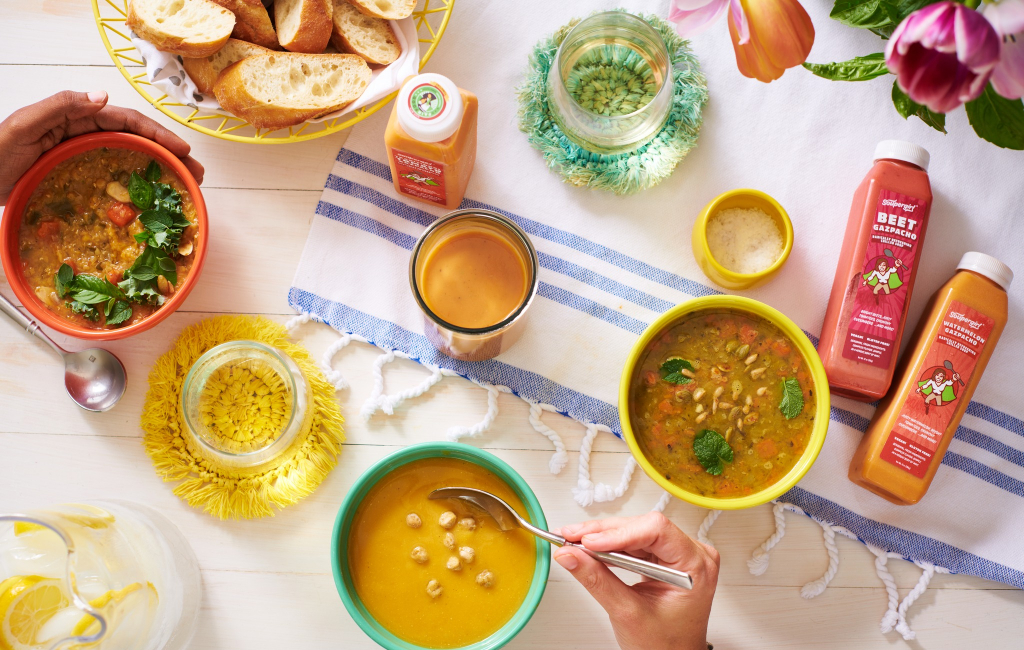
(1007, 17)
(768, 36)
(943, 55)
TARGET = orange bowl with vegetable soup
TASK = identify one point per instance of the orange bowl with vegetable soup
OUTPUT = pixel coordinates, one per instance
(418, 573)
(724, 402)
(104, 236)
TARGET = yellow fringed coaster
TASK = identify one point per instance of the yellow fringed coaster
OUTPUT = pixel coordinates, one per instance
(230, 493)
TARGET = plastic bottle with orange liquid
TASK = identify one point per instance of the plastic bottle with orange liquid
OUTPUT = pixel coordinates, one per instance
(431, 140)
(906, 440)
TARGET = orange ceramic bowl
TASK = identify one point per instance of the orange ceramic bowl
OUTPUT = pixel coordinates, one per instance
(13, 212)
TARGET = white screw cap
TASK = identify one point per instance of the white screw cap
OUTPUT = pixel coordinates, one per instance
(429, 107)
(988, 266)
(902, 150)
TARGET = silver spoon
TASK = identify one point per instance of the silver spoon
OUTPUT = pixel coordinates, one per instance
(95, 378)
(507, 519)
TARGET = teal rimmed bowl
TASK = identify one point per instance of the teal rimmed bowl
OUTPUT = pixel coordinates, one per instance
(363, 485)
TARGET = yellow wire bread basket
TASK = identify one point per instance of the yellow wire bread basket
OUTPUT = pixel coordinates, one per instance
(431, 18)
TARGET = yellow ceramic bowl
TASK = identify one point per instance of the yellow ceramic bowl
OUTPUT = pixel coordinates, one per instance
(799, 339)
(743, 198)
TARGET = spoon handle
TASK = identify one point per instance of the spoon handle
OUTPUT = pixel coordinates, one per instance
(7, 307)
(643, 567)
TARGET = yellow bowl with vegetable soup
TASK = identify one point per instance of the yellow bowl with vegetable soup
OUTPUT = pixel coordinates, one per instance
(742, 199)
(724, 402)
(419, 573)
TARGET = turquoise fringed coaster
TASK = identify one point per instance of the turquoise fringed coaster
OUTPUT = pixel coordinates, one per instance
(624, 173)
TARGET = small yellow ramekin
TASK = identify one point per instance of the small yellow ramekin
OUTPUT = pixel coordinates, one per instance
(818, 379)
(741, 198)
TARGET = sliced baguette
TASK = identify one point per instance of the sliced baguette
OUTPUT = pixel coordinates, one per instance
(205, 70)
(252, 22)
(303, 25)
(279, 89)
(386, 9)
(183, 27)
(369, 37)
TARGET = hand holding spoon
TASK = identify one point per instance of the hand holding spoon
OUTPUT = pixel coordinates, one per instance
(95, 379)
(507, 519)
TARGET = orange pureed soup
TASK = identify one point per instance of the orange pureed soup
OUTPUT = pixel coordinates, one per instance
(403, 549)
(474, 278)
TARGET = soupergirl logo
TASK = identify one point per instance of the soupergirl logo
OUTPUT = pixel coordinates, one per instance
(893, 203)
(957, 316)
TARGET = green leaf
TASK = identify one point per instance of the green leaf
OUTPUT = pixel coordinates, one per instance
(153, 171)
(430, 182)
(997, 119)
(906, 107)
(859, 68)
(166, 198)
(792, 403)
(866, 14)
(120, 312)
(62, 280)
(89, 297)
(87, 310)
(141, 191)
(671, 370)
(711, 450)
(156, 221)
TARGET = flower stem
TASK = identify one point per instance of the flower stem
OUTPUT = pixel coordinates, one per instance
(973, 4)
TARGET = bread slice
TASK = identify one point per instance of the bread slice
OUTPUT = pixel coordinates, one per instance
(252, 22)
(204, 71)
(280, 89)
(183, 27)
(369, 37)
(303, 25)
(386, 9)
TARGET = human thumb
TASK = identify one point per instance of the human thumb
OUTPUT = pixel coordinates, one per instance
(59, 109)
(606, 588)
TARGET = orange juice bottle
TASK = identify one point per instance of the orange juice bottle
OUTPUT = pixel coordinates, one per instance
(906, 440)
(431, 140)
(878, 264)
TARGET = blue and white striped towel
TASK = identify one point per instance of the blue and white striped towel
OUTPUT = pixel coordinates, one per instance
(610, 265)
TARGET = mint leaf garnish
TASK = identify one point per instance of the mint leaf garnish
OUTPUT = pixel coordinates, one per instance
(672, 370)
(711, 450)
(792, 398)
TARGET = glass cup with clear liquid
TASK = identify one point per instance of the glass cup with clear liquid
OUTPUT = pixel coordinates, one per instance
(102, 575)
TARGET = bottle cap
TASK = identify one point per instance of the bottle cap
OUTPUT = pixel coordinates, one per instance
(988, 266)
(429, 107)
(902, 150)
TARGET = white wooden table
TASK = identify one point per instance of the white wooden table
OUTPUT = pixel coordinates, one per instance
(268, 584)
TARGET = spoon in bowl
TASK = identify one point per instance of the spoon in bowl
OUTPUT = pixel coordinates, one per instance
(95, 379)
(508, 519)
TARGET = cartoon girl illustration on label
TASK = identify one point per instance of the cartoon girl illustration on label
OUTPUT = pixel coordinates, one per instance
(938, 385)
(883, 273)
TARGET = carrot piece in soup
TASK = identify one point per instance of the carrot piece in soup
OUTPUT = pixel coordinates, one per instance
(766, 448)
(747, 333)
(121, 214)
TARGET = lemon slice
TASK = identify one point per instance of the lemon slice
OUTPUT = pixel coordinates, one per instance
(23, 527)
(26, 603)
(88, 625)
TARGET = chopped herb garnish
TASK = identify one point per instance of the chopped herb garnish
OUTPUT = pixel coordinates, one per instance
(792, 398)
(141, 191)
(87, 294)
(153, 171)
(672, 370)
(711, 450)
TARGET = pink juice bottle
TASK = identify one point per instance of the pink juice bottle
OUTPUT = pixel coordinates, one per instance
(878, 264)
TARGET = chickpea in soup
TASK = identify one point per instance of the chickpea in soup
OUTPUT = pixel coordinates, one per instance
(722, 403)
(107, 237)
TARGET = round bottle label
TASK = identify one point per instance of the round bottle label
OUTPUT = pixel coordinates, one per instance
(427, 101)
